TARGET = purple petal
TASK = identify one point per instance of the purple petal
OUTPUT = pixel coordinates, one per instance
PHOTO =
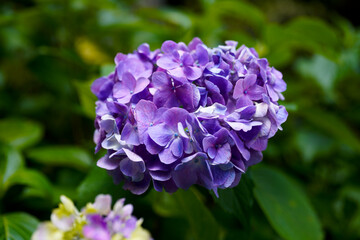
(167, 62)
(175, 115)
(120, 90)
(133, 169)
(138, 187)
(145, 112)
(192, 73)
(208, 142)
(128, 80)
(188, 95)
(255, 92)
(97, 229)
(211, 152)
(243, 101)
(223, 155)
(130, 135)
(240, 145)
(102, 87)
(177, 73)
(108, 163)
(177, 147)
(193, 169)
(187, 59)
(165, 98)
(167, 157)
(129, 227)
(160, 175)
(194, 43)
(141, 84)
(202, 55)
(169, 46)
(160, 134)
(160, 80)
(151, 146)
(238, 89)
(249, 80)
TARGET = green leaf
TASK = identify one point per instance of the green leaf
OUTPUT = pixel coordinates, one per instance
(20, 133)
(310, 143)
(247, 12)
(313, 34)
(61, 156)
(96, 182)
(202, 223)
(12, 161)
(285, 205)
(164, 204)
(31, 178)
(17, 226)
(322, 70)
(87, 98)
(238, 200)
(106, 69)
(332, 125)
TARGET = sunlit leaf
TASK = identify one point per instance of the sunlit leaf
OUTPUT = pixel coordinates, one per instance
(165, 204)
(11, 161)
(247, 12)
(285, 205)
(313, 34)
(321, 69)
(87, 98)
(69, 156)
(17, 226)
(31, 178)
(20, 133)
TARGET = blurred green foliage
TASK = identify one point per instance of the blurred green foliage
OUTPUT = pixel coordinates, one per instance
(51, 51)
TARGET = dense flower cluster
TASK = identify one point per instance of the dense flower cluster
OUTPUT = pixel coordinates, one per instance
(186, 114)
(96, 221)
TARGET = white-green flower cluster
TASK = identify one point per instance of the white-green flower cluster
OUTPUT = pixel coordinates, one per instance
(96, 221)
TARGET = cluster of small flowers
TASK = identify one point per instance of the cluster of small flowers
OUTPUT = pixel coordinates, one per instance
(186, 114)
(96, 221)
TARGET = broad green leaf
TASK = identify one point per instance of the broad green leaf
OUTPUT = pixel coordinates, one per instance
(285, 205)
(87, 98)
(315, 30)
(202, 223)
(238, 200)
(165, 204)
(313, 34)
(241, 10)
(20, 133)
(97, 181)
(332, 125)
(31, 178)
(106, 69)
(349, 193)
(321, 69)
(167, 16)
(311, 143)
(11, 161)
(17, 226)
(68, 156)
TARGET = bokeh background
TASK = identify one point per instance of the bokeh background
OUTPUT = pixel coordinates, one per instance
(51, 51)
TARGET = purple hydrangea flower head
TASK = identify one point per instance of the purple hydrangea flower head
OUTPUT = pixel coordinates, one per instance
(186, 114)
(96, 221)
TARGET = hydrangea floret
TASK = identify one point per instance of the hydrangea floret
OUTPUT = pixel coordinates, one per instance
(96, 221)
(186, 114)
